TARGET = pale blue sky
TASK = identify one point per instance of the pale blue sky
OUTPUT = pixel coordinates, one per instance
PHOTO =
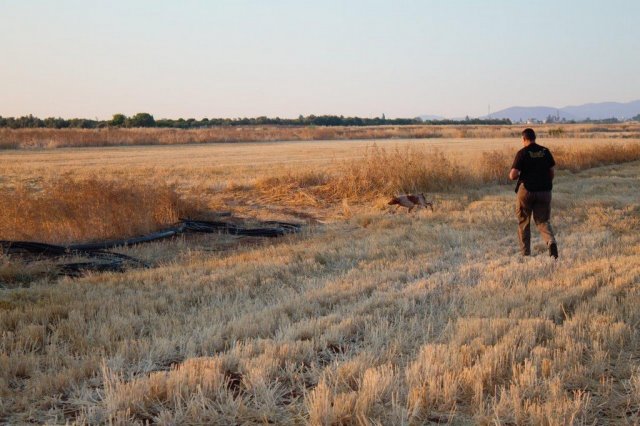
(233, 58)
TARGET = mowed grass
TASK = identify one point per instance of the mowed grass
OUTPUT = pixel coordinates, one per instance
(374, 317)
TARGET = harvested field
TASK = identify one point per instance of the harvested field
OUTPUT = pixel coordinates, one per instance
(222, 165)
(78, 138)
(367, 316)
(287, 179)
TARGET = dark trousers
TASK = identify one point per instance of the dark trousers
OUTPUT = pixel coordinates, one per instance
(538, 204)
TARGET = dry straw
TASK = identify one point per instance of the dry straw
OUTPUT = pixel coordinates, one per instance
(379, 319)
(52, 138)
(65, 211)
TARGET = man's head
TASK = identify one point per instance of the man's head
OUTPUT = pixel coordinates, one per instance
(528, 136)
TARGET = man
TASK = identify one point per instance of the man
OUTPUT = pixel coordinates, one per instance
(533, 168)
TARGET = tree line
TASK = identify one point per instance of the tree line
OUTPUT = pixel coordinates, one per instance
(144, 119)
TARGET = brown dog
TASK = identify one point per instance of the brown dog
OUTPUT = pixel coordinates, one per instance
(410, 201)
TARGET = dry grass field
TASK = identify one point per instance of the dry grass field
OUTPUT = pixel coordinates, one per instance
(52, 138)
(369, 316)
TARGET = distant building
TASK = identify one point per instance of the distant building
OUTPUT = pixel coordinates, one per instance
(553, 118)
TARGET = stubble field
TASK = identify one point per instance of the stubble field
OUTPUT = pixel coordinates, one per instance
(367, 316)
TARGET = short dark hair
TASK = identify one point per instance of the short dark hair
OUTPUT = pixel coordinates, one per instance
(529, 135)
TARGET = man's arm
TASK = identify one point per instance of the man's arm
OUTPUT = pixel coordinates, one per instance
(516, 168)
(514, 174)
(552, 173)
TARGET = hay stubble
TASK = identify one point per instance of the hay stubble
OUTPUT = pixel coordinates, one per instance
(380, 317)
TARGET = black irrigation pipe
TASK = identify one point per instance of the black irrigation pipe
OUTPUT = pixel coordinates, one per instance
(275, 229)
(160, 235)
(110, 261)
(105, 260)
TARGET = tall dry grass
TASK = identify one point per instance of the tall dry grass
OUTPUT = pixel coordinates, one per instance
(584, 157)
(57, 138)
(384, 172)
(68, 210)
(87, 207)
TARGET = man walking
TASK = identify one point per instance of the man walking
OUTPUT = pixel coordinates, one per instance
(533, 168)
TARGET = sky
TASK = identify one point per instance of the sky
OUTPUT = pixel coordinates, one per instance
(249, 58)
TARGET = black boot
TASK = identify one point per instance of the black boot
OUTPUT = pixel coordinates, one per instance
(553, 250)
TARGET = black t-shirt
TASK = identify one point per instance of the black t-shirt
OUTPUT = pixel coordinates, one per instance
(534, 162)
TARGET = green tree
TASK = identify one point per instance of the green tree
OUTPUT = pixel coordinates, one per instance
(141, 119)
(118, 120)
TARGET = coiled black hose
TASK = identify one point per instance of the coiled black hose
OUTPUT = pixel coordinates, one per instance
(110, 261)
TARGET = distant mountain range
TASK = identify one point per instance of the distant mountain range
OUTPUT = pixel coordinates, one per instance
(594, 111)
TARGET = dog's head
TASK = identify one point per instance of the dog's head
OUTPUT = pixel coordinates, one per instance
(424, 202)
